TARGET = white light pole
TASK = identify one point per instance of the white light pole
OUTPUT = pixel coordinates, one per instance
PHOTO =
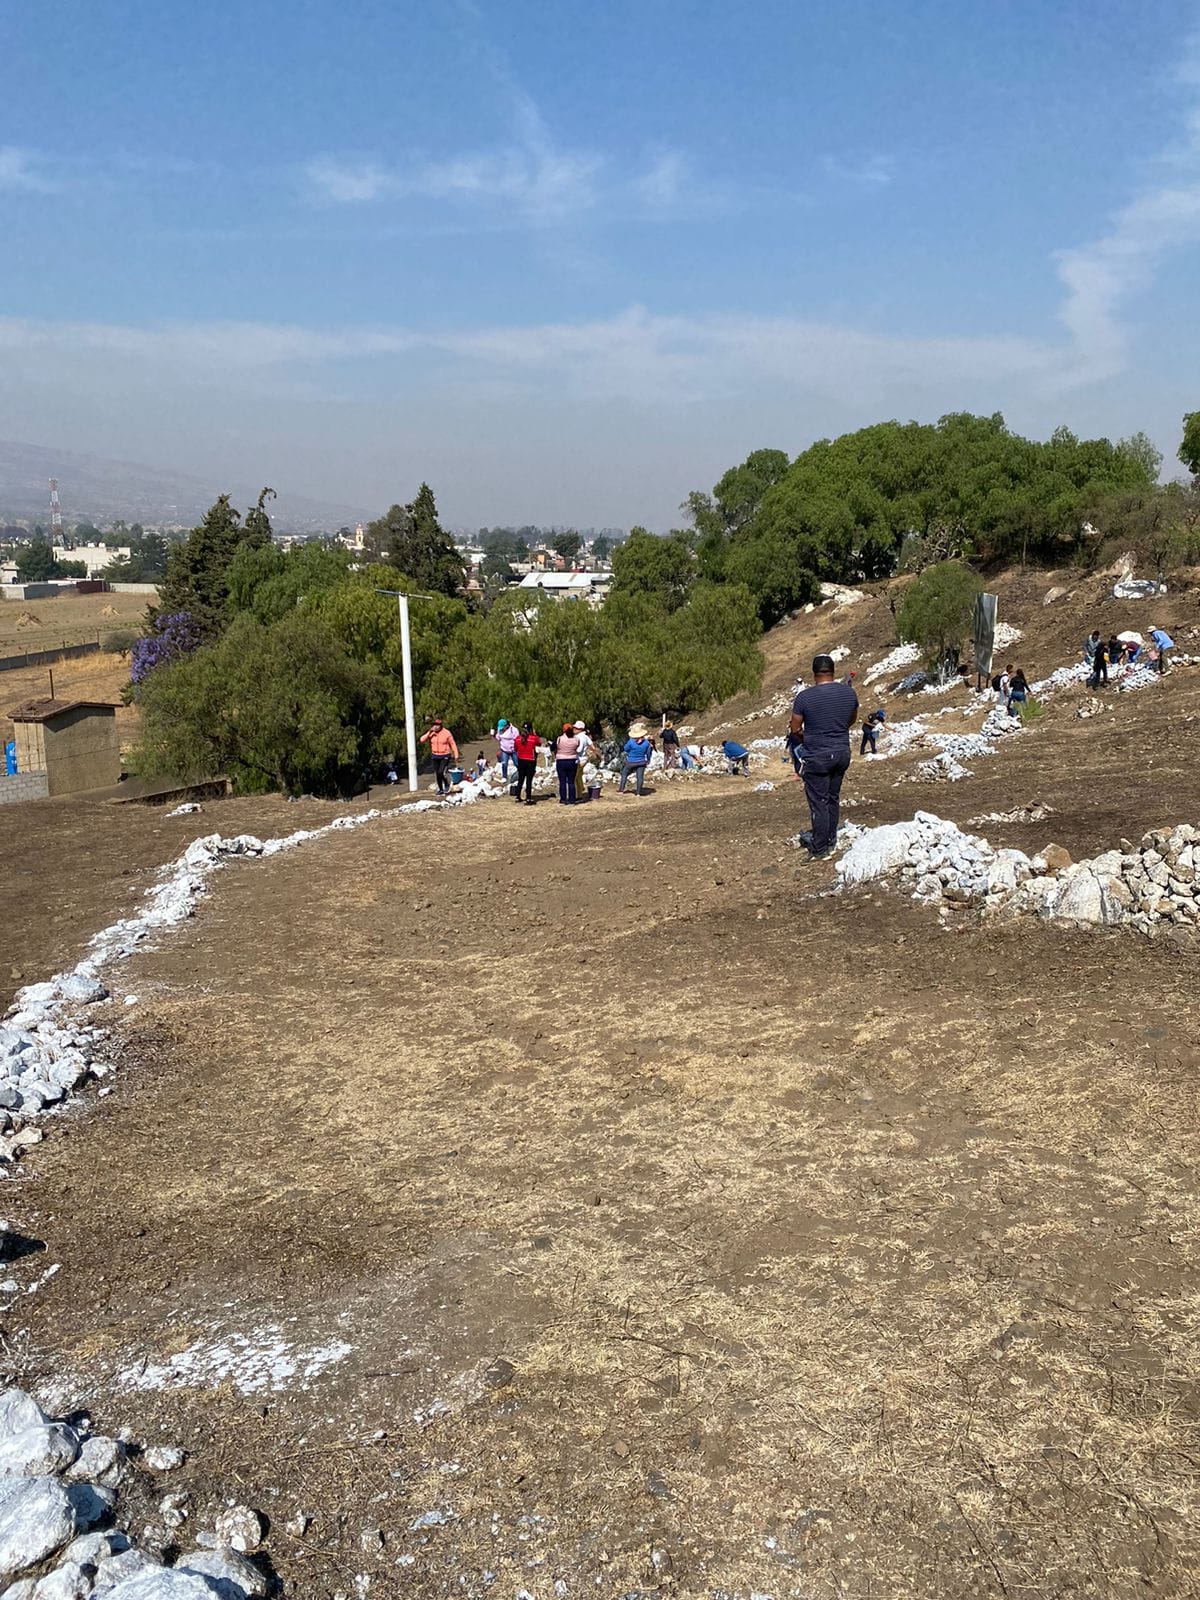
(410, 730)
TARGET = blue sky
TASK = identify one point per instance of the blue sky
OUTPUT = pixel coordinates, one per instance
(568, 262)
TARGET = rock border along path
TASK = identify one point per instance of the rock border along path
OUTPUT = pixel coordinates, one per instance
(1152, 888)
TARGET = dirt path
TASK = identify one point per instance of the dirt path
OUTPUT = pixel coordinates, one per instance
(635, 1219)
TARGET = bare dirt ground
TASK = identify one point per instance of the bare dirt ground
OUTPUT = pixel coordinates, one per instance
(67, 619)
(633, 1215)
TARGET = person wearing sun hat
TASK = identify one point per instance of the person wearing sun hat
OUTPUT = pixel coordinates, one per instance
(585, 749)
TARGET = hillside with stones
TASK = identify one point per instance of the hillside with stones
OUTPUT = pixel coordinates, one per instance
(471, 1199)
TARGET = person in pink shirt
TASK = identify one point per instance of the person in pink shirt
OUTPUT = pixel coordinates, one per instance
(566, 762)
(506, 743)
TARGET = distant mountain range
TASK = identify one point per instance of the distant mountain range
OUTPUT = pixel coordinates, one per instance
(95, 489)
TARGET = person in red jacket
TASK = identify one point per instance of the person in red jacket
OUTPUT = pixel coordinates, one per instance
(443, 750)
(526, 752)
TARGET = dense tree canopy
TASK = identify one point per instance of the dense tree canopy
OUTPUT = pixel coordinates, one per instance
(846, 508)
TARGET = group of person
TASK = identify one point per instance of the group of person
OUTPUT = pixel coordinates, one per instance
(1124, 650)
(1011, 688)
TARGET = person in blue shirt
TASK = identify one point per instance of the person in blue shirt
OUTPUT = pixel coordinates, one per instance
(822, 716)
(738, 757)
(1162, 643)
(636, 756)
(870, 731)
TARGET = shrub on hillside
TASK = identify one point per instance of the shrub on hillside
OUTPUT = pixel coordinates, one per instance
(936, 611)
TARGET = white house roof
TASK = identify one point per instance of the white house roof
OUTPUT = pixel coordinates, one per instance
(556, 580)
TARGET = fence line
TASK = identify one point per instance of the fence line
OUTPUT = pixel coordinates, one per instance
(46, 658)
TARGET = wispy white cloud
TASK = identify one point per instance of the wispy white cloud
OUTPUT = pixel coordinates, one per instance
(531, 175)
(862, 172)
(22, 169)
(1102, 276)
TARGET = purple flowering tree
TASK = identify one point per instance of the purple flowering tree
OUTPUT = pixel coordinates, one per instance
(172, 634)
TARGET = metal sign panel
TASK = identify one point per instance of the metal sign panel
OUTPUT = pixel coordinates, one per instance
(983, 633)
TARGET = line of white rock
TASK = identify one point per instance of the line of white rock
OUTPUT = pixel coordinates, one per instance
(1152, 888)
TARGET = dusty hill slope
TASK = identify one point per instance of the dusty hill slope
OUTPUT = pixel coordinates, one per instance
(620, 1212)
(1051, 634)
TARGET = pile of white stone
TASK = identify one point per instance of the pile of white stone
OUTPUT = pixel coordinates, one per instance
(58, 1504)
(1152, 888)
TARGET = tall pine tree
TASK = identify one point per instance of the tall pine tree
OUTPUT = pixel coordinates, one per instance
(197, 575)
(416, 544)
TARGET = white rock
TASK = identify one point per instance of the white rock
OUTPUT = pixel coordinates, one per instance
(37, 1452)
(1080, 898)
(164, 1458)
(36, 1519)
(81, 990)
(100, 1460)
(229, 1572)
(161, 1584)
(876, 852)
(90, 1549)
(126, 1564)
(239, 1528)
(68, 1581)
(19, 1410)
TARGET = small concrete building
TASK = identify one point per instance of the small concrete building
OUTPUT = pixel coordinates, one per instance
(74, 742)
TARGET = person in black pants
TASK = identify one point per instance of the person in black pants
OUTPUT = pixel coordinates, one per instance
(1099, 666)
(526, 751)
(822, 716)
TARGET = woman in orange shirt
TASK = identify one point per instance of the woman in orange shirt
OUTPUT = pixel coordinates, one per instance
(443, 750)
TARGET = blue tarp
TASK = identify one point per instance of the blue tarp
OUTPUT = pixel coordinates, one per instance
(10, 759)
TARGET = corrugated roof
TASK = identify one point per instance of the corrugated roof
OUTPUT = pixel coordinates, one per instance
(47, 710)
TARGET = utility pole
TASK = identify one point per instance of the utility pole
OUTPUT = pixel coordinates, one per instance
(410, 731)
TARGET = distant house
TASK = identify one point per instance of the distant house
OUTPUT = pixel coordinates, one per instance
(589, 586)
(74, 742)
(544, 560)
(95, 557)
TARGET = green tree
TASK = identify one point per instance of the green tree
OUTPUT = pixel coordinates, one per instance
(35, 562)
(282, 707)
(660, 566)
(602, 547)
(567, 545)
(1189, 450)
(150, 550)
(197, 573)
(124, 569)
(495, 574)
(87, 533)
(269, 583)
(411, 539)
(936, 611)
(1142, 450)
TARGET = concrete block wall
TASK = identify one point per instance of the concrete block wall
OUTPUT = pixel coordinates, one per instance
(24, 786)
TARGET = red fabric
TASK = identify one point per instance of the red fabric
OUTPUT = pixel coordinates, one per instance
(527, 746)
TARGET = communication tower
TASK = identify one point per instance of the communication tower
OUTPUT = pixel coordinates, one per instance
(56, 526)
